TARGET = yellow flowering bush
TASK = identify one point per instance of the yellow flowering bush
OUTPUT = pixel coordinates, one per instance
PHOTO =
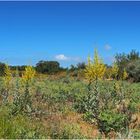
(29, 74)
(114, 70)
(95, 68)
(27, 78)
(125, 75)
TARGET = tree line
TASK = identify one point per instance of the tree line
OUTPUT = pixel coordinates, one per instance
(130, 61)
(44, 67)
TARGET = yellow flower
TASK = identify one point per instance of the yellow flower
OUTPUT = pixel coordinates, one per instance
(29, 74)
(125, 75)
(115, 70)
(95, 69)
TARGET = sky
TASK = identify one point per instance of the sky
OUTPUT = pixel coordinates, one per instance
(67, 31)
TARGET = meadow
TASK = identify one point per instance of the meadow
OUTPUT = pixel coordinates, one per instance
(68, 106)
(53, 85)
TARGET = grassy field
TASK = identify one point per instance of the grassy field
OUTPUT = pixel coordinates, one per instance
(69, 69)
(56, 108)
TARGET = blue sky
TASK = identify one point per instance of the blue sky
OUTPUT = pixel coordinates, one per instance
(67, 31)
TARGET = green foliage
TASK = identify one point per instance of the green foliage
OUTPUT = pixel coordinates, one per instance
(81, 65)
(131, 63)
(112, 121)
(52, 97)
(108, 108)
(136, 134)
(2, 69)
(47, 67)
(52, 107)
(19, 126)
(133, 55)
(133, 69)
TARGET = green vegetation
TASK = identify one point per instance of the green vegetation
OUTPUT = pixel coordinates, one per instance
(131, 63)
(89, 101)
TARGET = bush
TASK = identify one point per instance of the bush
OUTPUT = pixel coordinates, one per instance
(133, 70)
(131, 62)
(18, 127)
(111, 121)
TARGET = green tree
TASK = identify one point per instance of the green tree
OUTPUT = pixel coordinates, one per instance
(81, 65)
(133, 69)
(72, 68)
(127, 61)
(47, 67)
(2, 69)
(133, 55)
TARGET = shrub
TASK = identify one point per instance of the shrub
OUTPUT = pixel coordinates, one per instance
(131, 63)
(133, 70)
(18, 127)
(111, 121)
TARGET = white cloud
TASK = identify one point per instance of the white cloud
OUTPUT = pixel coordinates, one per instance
(107, 47)
(61, 57)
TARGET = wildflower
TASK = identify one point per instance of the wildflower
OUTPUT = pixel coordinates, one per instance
(29, 74)
(27, 77)
(88, 70)
(125, 75)
(95, 69)
(114, 70)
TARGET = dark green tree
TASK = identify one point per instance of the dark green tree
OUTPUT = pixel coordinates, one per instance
(73, 68)
(133, 69)
(2, 68)
(130, 63)
(81, 65)
(47, 67)
(133, 55)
